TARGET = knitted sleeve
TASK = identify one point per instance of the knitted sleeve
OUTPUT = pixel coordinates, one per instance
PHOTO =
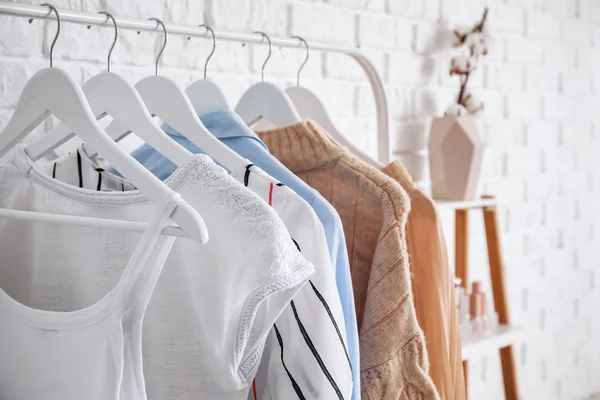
(404, 376)
(394, 362)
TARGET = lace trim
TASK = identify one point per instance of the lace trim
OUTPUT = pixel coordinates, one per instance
(252, 362)
(294, 278)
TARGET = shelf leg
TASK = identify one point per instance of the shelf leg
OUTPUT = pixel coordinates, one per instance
(507, 356)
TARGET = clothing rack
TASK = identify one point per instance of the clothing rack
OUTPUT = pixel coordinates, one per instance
(85, 18)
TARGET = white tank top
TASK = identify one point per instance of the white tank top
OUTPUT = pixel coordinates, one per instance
(92, 353)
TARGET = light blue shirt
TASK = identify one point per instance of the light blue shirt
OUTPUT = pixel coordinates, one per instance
(231, 130)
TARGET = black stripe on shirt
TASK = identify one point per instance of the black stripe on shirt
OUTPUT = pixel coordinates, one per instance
(335, 325)
(247, 174)
(309, 341)
(79, 169)
(315, 353)
(297, 246)
(294, 383)
(99, 185)
(54, 171)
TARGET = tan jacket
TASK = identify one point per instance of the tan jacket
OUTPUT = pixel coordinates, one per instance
(374, 210)
(433, 288)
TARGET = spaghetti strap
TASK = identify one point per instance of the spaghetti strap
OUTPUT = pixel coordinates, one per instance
(138, 283)
(149, 256)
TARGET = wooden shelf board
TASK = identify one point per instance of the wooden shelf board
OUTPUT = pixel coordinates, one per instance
(481, 344)
(464, 205)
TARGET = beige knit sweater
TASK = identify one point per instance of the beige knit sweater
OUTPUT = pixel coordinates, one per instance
(373, 209)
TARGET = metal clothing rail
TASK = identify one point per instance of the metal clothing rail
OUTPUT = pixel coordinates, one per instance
(84, 18)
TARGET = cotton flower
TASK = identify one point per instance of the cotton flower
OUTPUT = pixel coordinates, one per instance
(462, 64)
(480, 49)
(477, 42)
(456, 110)
(472, 104)
(459, 34)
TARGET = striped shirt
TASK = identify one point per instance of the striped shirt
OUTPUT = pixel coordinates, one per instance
(306, 354)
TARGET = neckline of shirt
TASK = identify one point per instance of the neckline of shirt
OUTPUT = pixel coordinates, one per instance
(27, 166)
(304, 146)
(61, 320)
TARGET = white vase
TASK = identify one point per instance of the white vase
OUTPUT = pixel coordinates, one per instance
(455, 157)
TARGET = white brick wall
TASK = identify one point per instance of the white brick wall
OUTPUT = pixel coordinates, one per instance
(541, 84)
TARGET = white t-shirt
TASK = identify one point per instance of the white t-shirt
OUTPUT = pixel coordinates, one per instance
(213, 305)
(306, 353)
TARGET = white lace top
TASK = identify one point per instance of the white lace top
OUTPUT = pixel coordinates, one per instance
(212, 308)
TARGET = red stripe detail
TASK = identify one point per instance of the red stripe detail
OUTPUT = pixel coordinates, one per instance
(254, 389)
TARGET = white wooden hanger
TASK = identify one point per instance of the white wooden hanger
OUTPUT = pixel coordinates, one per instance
(166, 100)
(109, 94)
(204, 94)
(265, 100)
(52, 91)
(309, 106)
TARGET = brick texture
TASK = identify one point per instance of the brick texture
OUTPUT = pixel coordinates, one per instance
(541, 85)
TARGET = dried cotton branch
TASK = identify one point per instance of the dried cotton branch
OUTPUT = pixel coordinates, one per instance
(475, 40)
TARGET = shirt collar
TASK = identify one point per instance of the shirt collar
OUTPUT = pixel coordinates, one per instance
(223, 125)
(302, 146)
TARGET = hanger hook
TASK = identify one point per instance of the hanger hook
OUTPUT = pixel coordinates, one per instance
(214, 40)
(164, 28)
(112, 46)
(55, 11)
(265, 36)
(305, 58)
